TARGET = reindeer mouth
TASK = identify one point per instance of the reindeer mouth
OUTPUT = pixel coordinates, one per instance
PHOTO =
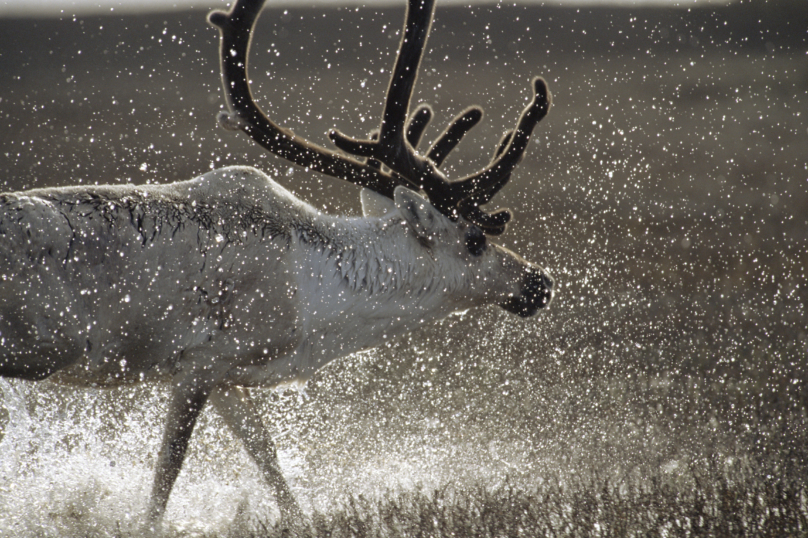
(537, 292)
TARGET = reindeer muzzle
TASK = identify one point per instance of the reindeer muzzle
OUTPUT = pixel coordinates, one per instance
(537, 292)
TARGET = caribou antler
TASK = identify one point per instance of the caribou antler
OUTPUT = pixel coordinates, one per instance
(394, 144)
(236, 29)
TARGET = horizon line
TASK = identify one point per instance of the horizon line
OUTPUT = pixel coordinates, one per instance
(71, 8)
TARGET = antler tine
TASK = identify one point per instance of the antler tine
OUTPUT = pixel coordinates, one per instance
(417, 124)
(478, 189)
(493, 223)
(453, 134)
(486, 183)
(392, 148)
(236, 28)
(504, 140)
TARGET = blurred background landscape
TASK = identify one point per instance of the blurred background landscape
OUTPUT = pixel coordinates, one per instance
(667, 192)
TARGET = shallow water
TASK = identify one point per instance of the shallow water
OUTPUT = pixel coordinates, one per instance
(80, 462)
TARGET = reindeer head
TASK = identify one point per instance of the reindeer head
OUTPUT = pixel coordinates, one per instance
(389, 165)
(488, 271)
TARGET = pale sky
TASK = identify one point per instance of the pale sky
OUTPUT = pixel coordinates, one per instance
(56, 8)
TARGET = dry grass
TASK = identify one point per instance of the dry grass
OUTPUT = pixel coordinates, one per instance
(732, 502)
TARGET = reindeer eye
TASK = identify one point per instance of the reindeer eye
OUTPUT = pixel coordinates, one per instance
(475, 241)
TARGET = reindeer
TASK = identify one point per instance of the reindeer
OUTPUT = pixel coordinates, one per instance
(228, 282)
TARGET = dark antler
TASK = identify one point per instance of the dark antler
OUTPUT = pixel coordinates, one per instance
(236, 29)
(393, 145)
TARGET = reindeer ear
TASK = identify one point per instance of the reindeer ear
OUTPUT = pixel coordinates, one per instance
(422, 216)
(374, 204)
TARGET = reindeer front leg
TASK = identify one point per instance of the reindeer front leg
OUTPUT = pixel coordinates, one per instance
(236, 407)
(187, 400)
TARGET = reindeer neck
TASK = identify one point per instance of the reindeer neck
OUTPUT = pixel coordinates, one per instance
(366, 276)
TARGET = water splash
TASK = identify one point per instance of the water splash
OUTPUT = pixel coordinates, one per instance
(81, 463)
